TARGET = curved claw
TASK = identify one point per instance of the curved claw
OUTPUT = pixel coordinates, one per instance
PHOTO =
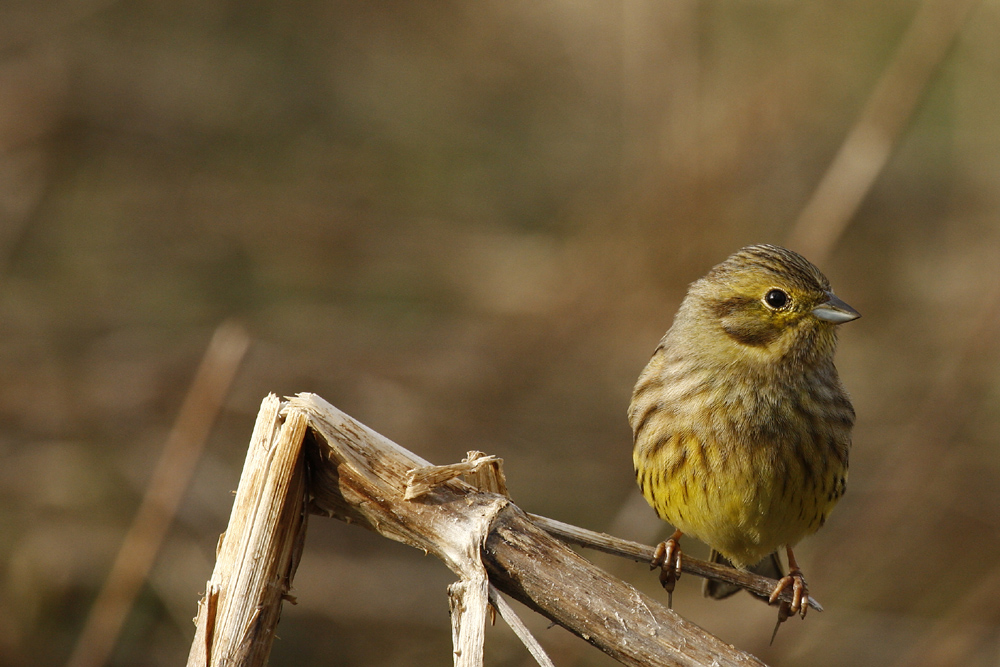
(784, 611)
(667, 557)
(800, 592)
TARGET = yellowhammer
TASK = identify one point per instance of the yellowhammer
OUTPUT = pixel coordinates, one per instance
(742, 427)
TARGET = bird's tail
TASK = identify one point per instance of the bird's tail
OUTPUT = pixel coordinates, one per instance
(768, 567)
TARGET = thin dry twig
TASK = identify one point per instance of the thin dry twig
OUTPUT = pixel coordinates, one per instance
(644, 554)
(167, 485)
(876, 133)
(508, 614)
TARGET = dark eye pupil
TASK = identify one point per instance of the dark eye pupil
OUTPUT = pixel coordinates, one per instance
(776, 298)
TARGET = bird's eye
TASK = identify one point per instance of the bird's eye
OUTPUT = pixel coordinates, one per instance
(776, 299)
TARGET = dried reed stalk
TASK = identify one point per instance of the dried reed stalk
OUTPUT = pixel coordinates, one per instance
(359, 476)
(260, 550)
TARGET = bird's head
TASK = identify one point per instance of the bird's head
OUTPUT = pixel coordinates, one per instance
(768, 303)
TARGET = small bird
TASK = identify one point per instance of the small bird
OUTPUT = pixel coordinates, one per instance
(741, 425)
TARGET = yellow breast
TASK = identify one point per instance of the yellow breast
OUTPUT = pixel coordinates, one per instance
(743, 502)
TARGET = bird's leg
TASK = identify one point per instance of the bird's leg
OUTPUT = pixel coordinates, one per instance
(667, 557)
(800, 592)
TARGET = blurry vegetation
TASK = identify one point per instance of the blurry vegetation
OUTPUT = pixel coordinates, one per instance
(467, 224)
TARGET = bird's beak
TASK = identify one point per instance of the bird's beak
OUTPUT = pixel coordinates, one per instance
(834, 310)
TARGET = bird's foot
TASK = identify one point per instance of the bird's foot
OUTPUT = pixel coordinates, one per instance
(800, 598)
(800, 592)
(667, 557)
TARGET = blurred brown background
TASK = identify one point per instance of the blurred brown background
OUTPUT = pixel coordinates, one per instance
(467, 224)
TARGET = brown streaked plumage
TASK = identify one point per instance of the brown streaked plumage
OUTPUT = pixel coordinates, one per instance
(741, 425)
